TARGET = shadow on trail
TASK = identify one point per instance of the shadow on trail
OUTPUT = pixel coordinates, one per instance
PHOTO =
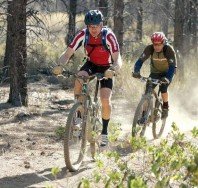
(5, 106)
(63, 102)
(24, 118)
(123, 151)
(30, 179)
(27, 117)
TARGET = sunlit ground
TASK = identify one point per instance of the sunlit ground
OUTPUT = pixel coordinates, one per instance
(184, 120)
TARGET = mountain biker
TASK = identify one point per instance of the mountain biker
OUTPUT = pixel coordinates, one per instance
(98, 60)
(162, 65)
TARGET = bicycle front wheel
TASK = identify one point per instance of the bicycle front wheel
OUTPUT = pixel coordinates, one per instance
(94, 130)
(158, 122)
(141, 117)
(75, 137)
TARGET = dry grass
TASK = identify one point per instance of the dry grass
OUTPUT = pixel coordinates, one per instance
(58, 22)
(47, 51)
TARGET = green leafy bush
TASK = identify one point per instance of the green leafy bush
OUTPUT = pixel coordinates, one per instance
(173, 162)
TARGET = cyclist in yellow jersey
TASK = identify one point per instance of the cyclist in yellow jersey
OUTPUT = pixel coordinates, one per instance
(162, 65)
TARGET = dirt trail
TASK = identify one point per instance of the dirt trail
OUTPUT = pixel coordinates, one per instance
(29, 147)
(184, 119)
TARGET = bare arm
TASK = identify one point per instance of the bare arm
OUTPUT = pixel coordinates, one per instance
(117, 61)
(114, 50)
(75, 44)
(65, 56)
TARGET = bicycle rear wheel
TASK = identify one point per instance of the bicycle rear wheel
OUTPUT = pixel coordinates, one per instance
(75, 137)
(138, 130)
(158, 123)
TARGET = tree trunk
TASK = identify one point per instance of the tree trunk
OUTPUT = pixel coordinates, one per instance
(18, 80)
(139, 21)
(119, 21)
(96, 4)
(187, 28)
(72, 21)
(179, 24)
(194, 26)
(8, 42)
(165, 20)
(179, 35)
(103, 7)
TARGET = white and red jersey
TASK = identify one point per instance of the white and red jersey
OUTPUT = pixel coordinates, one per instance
(99, 55)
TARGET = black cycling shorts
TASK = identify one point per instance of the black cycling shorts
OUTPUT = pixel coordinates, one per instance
(163, 87)
(91, 69)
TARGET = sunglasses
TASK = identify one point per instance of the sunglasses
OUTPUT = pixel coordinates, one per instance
(157, 44)
(94, 26)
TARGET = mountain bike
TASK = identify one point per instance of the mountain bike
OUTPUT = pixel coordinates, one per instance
(83, 124)
(149, 111)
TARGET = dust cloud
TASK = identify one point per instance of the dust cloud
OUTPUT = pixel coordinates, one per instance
(183, 111)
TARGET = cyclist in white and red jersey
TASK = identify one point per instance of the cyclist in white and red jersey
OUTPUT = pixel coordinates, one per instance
(101, 49)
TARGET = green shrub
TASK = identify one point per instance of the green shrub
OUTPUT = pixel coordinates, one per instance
(172, 162)
(59, 132)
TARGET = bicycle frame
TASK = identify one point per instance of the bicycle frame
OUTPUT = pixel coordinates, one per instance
(85, 91)
(150, 93)
(149, 112)
(89, 105)
(86, 111)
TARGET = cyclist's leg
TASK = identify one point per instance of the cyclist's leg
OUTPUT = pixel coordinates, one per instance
(165, 106)
(77, 91)
(105, 96)
(85, 70)
(164, 93)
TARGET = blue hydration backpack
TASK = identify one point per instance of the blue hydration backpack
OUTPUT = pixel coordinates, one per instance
(104, 42)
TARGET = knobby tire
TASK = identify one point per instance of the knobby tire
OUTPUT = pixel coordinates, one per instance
(138, 114)
(78, 107)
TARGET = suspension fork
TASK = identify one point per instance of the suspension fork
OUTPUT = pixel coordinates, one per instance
(95, 101)
(96, 91)
(157, 98)
(86, 100)
(156, 105)
(149, 95)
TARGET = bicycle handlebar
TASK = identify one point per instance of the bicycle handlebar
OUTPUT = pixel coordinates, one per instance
(145, 79)
(99, 76)
(154, 81)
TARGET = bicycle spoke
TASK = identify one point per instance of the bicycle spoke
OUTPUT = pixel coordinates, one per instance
(74, 142)
(141, 118)
(158, 123)
(158, 127)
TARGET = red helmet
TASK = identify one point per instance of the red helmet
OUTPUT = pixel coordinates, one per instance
(158, 37)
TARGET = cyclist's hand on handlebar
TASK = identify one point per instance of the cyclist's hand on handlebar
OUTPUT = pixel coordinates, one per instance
(165, 80)
(136, 75)
(57, 70)
(109, 73)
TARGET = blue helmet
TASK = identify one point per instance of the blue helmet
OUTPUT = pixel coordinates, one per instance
(93, 17)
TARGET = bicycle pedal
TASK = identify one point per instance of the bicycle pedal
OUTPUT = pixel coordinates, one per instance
(77, 123)
(157, 118)
(76, 133)
(104, 148)
(142, 121)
